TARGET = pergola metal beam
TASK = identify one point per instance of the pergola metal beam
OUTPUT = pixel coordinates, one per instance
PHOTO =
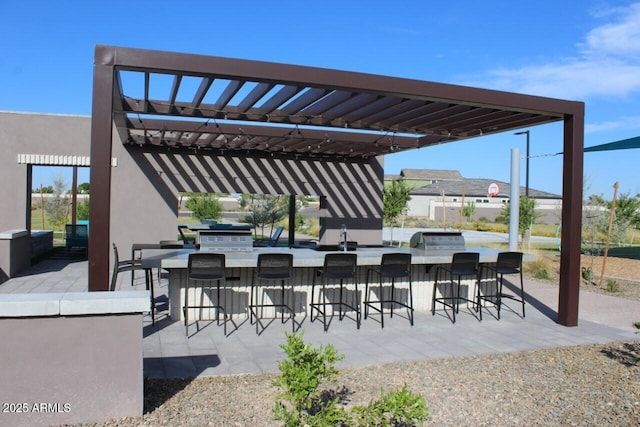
(432, 113)
(100, 173)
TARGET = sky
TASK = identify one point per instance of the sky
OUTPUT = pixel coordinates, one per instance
(582, 50)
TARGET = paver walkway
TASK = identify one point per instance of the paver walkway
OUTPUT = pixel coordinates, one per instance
(169, 353)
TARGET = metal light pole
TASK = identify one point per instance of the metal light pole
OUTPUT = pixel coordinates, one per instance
(526, 181)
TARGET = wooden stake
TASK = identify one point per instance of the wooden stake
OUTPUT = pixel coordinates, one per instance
(462, 210)
(611, 217)
(444, 213)
(42, 205)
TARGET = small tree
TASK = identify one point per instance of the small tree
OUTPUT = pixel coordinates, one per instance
(468, 210)
(82, 210)
(396, 197)
(527, 215)
(205, 206)
(44, 190)
(304, 402)
(57, 207)
(83, 188)
(263, 210)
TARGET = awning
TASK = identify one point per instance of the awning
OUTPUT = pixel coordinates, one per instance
(617, 145)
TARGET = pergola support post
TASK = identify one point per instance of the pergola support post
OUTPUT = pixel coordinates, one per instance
(101, 140)
(571, 236)
(292, 220)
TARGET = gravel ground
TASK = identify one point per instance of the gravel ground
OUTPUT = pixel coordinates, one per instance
(596, 385)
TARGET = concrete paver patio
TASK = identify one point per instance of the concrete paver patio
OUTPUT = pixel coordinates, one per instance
(169, 353)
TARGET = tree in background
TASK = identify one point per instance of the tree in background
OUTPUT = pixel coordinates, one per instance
(264, 209)
(527, 214)
(628, 209)
(83, 188)
(82, 210)
(205, 206)
(48, 189)
(396, 196)
(57, 207)
(468, 210)
(627, 216)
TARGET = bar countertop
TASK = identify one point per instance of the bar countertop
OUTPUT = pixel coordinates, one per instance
(302, 257)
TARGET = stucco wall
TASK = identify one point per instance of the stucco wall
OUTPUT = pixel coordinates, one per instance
(72, 369)
(30, 133)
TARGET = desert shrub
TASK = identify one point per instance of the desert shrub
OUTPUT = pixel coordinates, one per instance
(613, 286)
(395, 408)
(305, 402)
(587, 274)
(82, 209)
(205, 206)
(542, 273)
(540, 267)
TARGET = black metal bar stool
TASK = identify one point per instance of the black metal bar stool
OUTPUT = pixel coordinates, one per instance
(202, 269)
(133, 265)
(507, 263)
(463, 264)
(337, 266)
(394, 266)
(272, 268)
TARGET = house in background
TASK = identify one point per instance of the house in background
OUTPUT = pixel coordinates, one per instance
(441, 195)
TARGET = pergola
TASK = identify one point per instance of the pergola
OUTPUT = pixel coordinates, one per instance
(254, 109)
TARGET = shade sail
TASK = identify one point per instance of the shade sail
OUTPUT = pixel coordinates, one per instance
(617, 145)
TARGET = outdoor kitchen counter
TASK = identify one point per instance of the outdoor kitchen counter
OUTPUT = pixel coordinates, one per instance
(241, 265)
(303, 257)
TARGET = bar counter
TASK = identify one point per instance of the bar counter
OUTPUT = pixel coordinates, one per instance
(241, 264)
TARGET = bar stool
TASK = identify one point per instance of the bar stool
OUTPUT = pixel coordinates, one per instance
(507, 263)
(394, 266)
(168, 244)
(337, 266)
(202, 269)
(463, 264)
(133, 265)
(272, 268)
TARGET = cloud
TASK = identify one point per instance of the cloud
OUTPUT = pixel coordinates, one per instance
(619, 38)
(628, 122)
(607, 63)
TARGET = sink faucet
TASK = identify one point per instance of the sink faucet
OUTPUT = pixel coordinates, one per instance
(343, 237)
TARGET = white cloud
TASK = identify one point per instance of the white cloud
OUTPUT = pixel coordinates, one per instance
(607, 64)
(619, 38)
(628, 122)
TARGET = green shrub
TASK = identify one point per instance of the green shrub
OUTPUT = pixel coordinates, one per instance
(305, 403)
(82, 210)
(541, 273)
(636, 325)
(205, 206)
(613, 286)
(395, 408)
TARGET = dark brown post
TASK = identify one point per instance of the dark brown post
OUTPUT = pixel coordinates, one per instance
(100, 207)
(292, 220)
(29, 197)
(571, 218)
(74, 196)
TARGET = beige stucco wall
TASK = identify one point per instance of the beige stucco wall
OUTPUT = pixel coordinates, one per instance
(31, 133)
(71, 369)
